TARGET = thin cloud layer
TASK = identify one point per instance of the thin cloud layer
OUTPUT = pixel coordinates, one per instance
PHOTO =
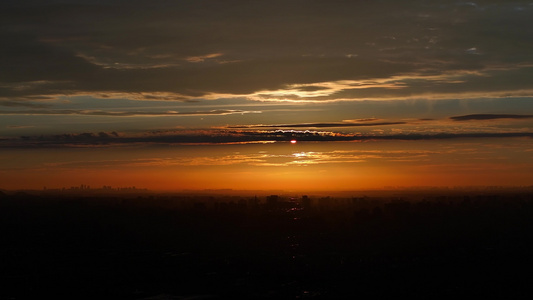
(263, 159)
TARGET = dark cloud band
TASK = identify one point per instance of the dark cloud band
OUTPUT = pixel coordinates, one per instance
(478, 117)
(228, 137)
(317, 125)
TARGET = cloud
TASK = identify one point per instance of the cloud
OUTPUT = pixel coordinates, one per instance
(475, 117)
(11, 103)
(202, 58)
(19, 126)
(123, 113)
(495, 82)
(261, 159)
(112, 139)
(267, 50)
(361, 120)
(320, 125)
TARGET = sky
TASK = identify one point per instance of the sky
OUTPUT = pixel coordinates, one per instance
(193, 95)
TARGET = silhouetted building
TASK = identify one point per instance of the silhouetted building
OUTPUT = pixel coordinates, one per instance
(272, 201)
(306, 201)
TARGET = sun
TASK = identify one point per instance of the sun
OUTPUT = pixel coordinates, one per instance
(293, 141)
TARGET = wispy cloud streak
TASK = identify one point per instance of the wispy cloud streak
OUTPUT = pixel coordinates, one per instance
(123, 113)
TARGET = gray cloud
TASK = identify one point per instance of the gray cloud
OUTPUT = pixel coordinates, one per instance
(11, 103)
(475, 117)
(19, 126)
(198, 48)
(319, 125)
(110, 139)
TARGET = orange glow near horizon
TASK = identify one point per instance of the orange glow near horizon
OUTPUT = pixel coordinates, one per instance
(308, 167)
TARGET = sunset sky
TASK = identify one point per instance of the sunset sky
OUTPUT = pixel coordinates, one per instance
(173, 95)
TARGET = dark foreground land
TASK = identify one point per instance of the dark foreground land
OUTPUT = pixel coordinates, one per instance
(206, 247)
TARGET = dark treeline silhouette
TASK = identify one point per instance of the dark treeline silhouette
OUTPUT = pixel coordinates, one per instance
(171, 246)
